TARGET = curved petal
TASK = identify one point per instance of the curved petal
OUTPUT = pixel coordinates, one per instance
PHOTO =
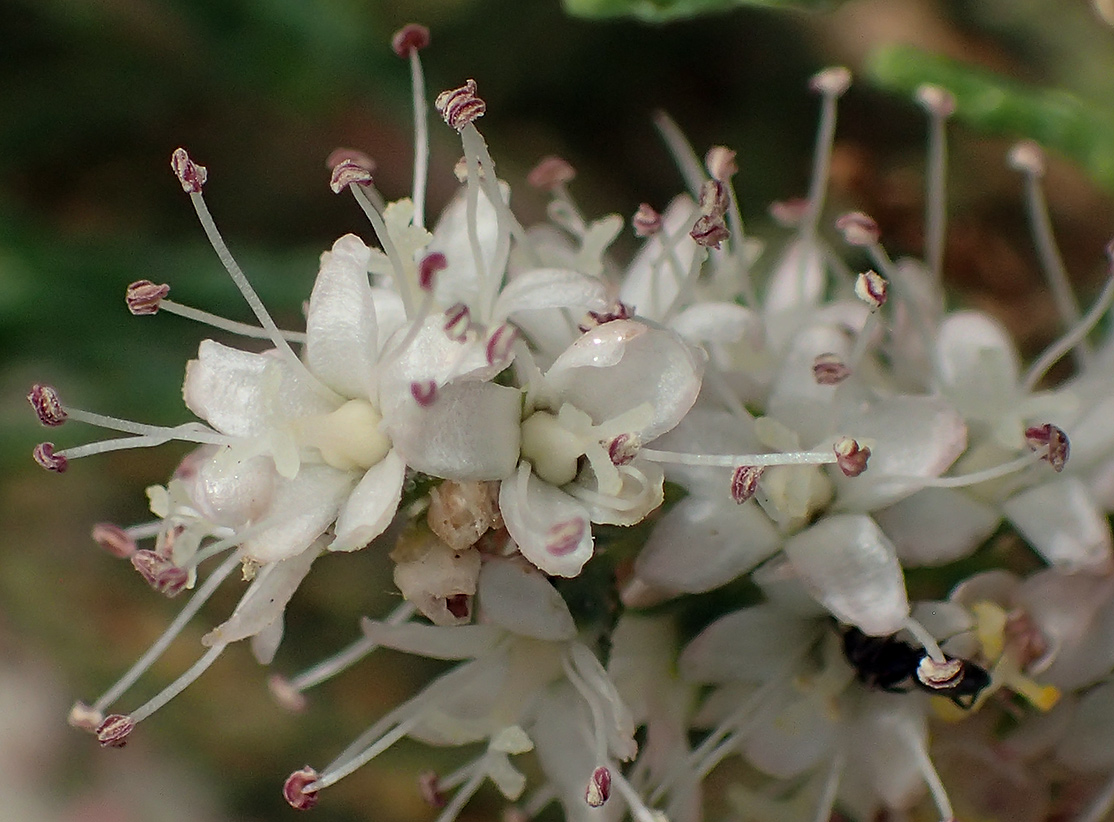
(936, 526)
(518, 598)
(459, 282)
(433, 641)
(551, 528)
(716, 322)
(848, 564)
(342, 336)
(798, 279)
(796, 399)
(977, 364)
(371, 506)
(550, 288)
(1063, 524)
(301, 511)
(752, 645)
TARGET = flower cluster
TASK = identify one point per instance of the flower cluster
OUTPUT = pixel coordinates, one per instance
(498, 406)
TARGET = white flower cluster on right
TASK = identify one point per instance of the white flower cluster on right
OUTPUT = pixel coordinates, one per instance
(749, 449)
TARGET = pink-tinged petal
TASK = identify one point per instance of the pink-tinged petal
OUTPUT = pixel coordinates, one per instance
(431, 357)
(371, 506)
(1063, 524)
(434, 641)
(471, 432)
(977, 364)
(551, 528)
(751, 645)
(342, 335)
(851, 568)
(624, 364)
(798, 279)
(518, 598)
(717, 322)
(936, 526)
(551, 288)
(301, 510)
(459, 282)
(244, 394)
(909, 438)
(702, 544)
(265, 599)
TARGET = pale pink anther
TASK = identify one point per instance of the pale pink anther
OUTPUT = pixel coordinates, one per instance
(411, 37)
(551, 172)
(114, 539)
(294, 789)
(144, 297)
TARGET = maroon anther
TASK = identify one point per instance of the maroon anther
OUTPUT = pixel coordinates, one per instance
(599, 787)
(458, 320)
(858, 229)
(618, 310)
(714, 199)
(460, 106)
(114, 539)
(709, 232)
(411, 37)
(564, 537)
(346, 173)
(424, 393)
(48, 408)
(500, 344)
(744, 482)
(829, 369)
(114, 731)
(143, 297)
(429, 786)
(851, 457)
(294, 789)
(159, 572)
(872, 288)
(459, 605)
(720, 162)
(428, 267)
(646, 221)
(1052, 438)
(84, 717)
(44, 455)
(189, 174)
(623, 449)
(551, 172)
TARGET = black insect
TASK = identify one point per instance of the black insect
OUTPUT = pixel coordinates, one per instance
(891, 664)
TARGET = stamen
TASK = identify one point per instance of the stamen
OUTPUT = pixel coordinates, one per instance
(1028, 158)
(940, 105)
(182, 164)
(599, 787)
(48, 407)
(744, 482)
(389, 248)
(720, 162)
(114, 731)
(84, 718)
(348, 173)
(735, 460)
(44, 455)
(831, 83)
(429, 786)
(1075, 335)
(851, 457)
(463, 795)
(928, 773)
(410, 38)
(551, 173)
(937, 675)
(928, 642)
(1053, 441)
(296, 790)
(143, 297)
(976, 477)
(180, 684)
(160, 572)
(407, 42)
(460, 106)
(681, 151)
(646, 221)
(872, 288)
(858, 229)
(163, 642)
(709, 232)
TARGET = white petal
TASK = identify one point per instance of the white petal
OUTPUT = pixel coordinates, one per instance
(937, 525)
(850, 567)
(551, 528)
(459, 282)
(508, 779)
(701, 544)
(1088, 743)
(243, 394)
(519, 599)
(265, 644)
(371, 506)
(977, 364)
(470, 432)
(265, 599)
(301, 511)
(342, 336)
(229, 491)
(1063, 524)
(650, 284)
(798, 279)
(431, 356)
(642, 492)
(796, 399)
(433, 641)
(716, 322)
(787, 742)
(550, 288)
(623, 364)
(751, 645)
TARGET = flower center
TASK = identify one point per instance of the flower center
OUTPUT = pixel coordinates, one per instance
(348, 438)
(552, 449)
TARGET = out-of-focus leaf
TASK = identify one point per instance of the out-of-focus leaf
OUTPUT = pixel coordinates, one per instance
(658, 11)
(1080, 130)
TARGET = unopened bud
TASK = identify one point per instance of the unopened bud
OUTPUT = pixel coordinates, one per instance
(851, 457)
(411, 37)
(599, 787)
(551, 172)
(143, 297)
(114, 731)
(872, 288)
(294, 789)
(114, 539)
(858, 229)
(744, 482)
(48, 408)
(829, 369)
(189, 174)
(460, 106)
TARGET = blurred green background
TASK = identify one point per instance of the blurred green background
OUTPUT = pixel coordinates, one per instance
(94, 96)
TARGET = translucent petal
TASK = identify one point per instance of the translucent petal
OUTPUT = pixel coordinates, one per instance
(787, 742)
(371, 506)
(977, 364)
(265, 644)
(1063, 524)
(518, 598)
(1088, 743)
(796, 399)
(342, 335)
(650, 284)
(850, 567)
(751, 645)
(433, 641)
(798, 279)
(937, 525)
(716, 322)
(550, 288)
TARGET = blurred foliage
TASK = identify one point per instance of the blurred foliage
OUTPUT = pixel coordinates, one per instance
(659, 11)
